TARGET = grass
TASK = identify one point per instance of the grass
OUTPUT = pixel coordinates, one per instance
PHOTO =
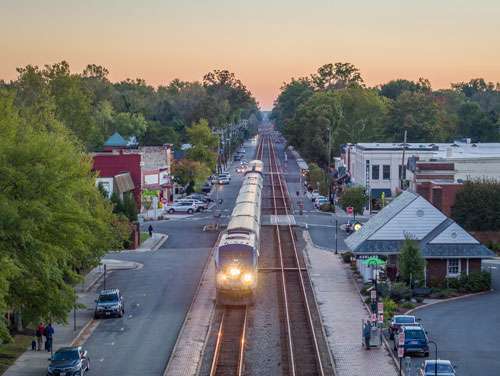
(9, 352)
(144, 236)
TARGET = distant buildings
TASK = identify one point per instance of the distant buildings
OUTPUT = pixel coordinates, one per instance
(124, 167)
(435, 171)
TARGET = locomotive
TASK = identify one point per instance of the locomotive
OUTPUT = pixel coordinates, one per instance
(237, 253)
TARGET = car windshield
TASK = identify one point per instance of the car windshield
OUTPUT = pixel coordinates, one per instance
(404, 320)
(414, 334)
(66, 355)
(108, 298)
(443, 368)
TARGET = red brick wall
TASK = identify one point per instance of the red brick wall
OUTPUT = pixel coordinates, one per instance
(474, 265)
(109, 165)
(436, 270)
(449, 192)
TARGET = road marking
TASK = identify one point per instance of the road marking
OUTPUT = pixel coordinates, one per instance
(122, 329)
(101, 360)
(129, 316)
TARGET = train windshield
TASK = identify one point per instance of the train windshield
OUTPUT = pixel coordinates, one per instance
(236, 253)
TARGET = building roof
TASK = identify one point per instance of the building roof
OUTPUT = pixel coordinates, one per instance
(124, 182)
(116, 140)
(411, 216)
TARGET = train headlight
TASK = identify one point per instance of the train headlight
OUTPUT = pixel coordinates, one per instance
(234, 271)
(221, 277)
(247, 278)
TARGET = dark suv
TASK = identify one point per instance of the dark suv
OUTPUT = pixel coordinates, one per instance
(416, 340)
(109, 303)
(69, 361)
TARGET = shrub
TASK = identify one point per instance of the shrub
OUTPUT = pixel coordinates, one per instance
(327, 208)
(475, 282)
(408, 305)
(367, 300)
(383, 290)
(346, 257)
(453, 283)
(419, 299)
(364, 289)
(443, 293)
(390, 308)
(399, 292)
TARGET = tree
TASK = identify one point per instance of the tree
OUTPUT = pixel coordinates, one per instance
(318, 179)
(54, 224)
(477, 206)
(418, 114)
(336, 76)
(475, 124)
(355, 197)
(190, 172)
(395, 88)
(411, 263)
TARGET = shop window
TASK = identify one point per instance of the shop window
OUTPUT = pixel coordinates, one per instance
(375, 172)
(386, 172)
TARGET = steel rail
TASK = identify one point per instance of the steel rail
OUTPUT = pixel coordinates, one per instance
(284, 194)
(283, 280)
(214, 369)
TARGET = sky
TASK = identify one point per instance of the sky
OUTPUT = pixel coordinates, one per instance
(264, 42)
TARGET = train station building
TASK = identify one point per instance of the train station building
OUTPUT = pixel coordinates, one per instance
(448, 249)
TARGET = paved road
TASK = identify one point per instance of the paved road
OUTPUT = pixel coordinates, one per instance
(157, 296)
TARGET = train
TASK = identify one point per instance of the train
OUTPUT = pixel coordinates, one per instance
(237, 253)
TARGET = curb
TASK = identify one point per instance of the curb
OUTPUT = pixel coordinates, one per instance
(83, 329)
(162, 240)
(95, 281)
(447, 300)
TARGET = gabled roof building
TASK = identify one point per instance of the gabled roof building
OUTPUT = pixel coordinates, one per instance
(448, 249)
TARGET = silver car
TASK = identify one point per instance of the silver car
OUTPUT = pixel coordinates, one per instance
(437, 367)
(187, 206)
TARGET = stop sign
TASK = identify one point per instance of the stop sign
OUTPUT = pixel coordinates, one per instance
(349, 210)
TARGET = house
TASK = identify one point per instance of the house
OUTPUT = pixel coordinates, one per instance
(447, 248)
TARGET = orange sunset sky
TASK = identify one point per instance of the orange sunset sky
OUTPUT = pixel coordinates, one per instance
(264, 42)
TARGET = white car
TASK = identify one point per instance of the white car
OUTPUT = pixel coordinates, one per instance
(320, 200)
(314, 195)
(186, 206)
(200, 205)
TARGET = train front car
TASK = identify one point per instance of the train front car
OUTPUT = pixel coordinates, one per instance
(238, 250)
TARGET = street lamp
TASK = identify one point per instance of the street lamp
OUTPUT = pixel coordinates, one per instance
(436, 357)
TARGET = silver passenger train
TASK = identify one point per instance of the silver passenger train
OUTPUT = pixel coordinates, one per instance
(237, 253)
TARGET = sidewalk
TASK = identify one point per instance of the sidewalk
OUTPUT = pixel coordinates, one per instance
(341, 311)
(153, 243)
(34, 363)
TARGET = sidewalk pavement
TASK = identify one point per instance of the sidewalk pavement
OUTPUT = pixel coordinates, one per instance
(153, 243)
(342, 311)
(34, 363)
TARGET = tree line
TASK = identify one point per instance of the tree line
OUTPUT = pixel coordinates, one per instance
(55, 223)
(333, 106)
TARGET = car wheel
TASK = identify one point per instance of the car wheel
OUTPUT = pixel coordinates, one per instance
(190, 211)
(171, 211)
(426, 354)
(88, 365)
(201, 209)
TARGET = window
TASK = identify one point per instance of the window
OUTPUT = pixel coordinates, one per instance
(453, 267)
(386, 172)
(375, 172)
(400, 172)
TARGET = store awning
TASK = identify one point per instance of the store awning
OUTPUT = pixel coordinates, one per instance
(377, 192)
(124, 183)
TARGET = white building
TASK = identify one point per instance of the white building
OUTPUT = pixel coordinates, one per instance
(377, 166)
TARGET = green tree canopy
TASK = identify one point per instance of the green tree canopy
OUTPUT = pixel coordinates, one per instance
(355, 197)
(411, 263)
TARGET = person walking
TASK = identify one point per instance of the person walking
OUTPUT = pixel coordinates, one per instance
(367, 328)
(49, 336)
(39, 335)
(150, 230)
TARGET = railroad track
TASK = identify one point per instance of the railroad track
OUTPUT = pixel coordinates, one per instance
(304, 356)
(229, 353)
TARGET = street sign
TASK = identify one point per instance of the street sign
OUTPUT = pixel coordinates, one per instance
(349, 210)
(401, 339)
(401, 352)
(373, 295)
(380, 307)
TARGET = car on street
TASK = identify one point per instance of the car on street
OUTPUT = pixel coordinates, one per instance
(224, 178)
(188, 207)
(243, 162)
(415, 340)
(237, 157)
(199, 197)
(438, 367)
(199, 205)
(242, 151)
(69, 361)
(320, 200)
(109, 303)
(207, 187)
(314, 195)
(398, 321)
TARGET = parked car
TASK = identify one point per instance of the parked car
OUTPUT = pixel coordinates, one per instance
(320, 200)
(200, 205)
(188, 207)
(439, 368)
(416, 340)
(398, 321)
(314, 195)
(200, 197)
(243, 162)
(241, 169)
(69, 361)
(242, 151)
(109, 303)
(207, 187)
(224, 178)
(237, 157)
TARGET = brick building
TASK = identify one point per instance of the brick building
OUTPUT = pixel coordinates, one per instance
(447, 248)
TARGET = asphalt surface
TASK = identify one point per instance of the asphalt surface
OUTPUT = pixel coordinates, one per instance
(158, 296)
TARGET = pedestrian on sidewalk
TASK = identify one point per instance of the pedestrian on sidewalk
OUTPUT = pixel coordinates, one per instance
(39, 335)
(49, 335)
(150, 230)
(367, 328)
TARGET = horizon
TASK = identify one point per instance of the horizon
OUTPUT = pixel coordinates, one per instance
(164, 40)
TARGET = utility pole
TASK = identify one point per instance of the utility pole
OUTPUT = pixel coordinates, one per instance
(328, 166)
(403, 169)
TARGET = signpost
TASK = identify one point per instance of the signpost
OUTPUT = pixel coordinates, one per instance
(401, 349)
